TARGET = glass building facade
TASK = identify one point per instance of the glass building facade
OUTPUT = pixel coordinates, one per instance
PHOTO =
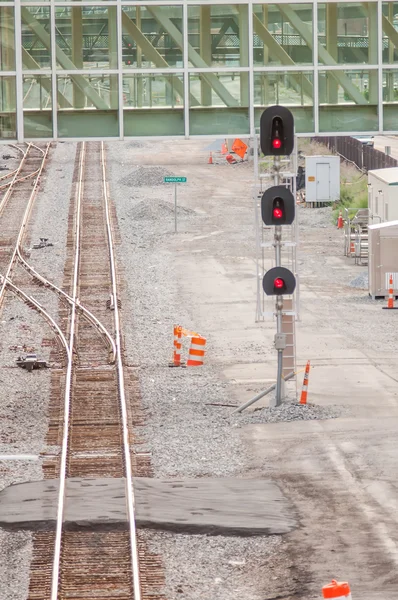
(117, 68)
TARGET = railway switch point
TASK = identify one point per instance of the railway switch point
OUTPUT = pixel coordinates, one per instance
(337, 590)
(304, 391)
(390, 302)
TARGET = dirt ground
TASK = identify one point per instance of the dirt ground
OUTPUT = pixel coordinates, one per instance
(339, 473)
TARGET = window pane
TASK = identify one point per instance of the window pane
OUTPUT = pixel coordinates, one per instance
(349, 99)
(282, 34)
(7, 43)
(152, 36)
(218, 36)
(87, 37)
(292, 89)
(390, 32)
(219, 103)
(153, 104)
(7, 108)
(390, 99)
(36, 38)
(347, 33)
(37, 103)
(87, 105)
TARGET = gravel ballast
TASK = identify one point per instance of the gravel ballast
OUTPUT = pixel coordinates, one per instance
(24, 396)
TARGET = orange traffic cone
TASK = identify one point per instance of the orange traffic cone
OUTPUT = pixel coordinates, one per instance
(340, 222)
(304, 391)
(224, 149)
(210, 161)
(337, 590)
(390, 302)
(229, 158)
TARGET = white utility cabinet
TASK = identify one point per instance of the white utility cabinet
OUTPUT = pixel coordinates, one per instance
(383, 195)
(322, 179)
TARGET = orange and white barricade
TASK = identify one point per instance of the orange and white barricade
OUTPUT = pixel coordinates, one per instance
(196, 351)
(304, 391)
(337, 591)
(177, 346)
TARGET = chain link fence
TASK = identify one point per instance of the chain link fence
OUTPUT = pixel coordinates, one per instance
(364, 157)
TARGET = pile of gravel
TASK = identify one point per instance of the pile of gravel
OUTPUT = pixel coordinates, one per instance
(146, 176)
(361, 282)
(157, 210)
(315, 217)
(291, 411)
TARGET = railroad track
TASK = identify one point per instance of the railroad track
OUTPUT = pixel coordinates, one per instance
(90, 414)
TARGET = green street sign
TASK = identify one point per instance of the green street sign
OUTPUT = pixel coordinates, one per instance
(175, 180)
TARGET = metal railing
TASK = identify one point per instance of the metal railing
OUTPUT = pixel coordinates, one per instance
(366, 158)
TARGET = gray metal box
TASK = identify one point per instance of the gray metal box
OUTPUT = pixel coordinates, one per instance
(322, 179)
(383, 258)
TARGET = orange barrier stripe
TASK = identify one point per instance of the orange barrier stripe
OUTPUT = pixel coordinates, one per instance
(196, 352)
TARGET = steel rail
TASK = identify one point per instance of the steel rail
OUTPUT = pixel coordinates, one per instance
(7, 195)
(68, 389)
(123, 403)
(25, 219)
(89, 316)
(21, 294)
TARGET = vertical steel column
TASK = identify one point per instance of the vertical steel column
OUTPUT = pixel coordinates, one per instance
(331, 47)
(316, 59)
(380, 64)
(139, 85)
(120, 67)
(373, 52)
(252, 123)
(112, 49)
(186, 66)
(54, 82)
(77, 53)
(18, 69)
(244, 53)
(205, 51)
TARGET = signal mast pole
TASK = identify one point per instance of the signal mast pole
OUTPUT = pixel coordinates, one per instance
(280, 338)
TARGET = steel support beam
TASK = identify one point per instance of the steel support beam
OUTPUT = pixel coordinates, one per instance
(112, 39)
(131, 28)
(371, 9)
(323, 54)
(139, 86)
(194, 56)
(276, 50)
(244, 52)
(206, 49)
(62, 59)
(77, 53)
(331, 46)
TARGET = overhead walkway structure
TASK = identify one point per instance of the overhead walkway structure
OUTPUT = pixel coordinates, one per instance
(116, 69)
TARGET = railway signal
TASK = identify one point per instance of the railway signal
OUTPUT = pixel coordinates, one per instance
(277, 206)
(278, 209)
(279, 281)
(276, 131)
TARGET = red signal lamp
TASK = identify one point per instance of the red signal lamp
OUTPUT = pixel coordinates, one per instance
(276, 143)
(279, 283)
(277, 213)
